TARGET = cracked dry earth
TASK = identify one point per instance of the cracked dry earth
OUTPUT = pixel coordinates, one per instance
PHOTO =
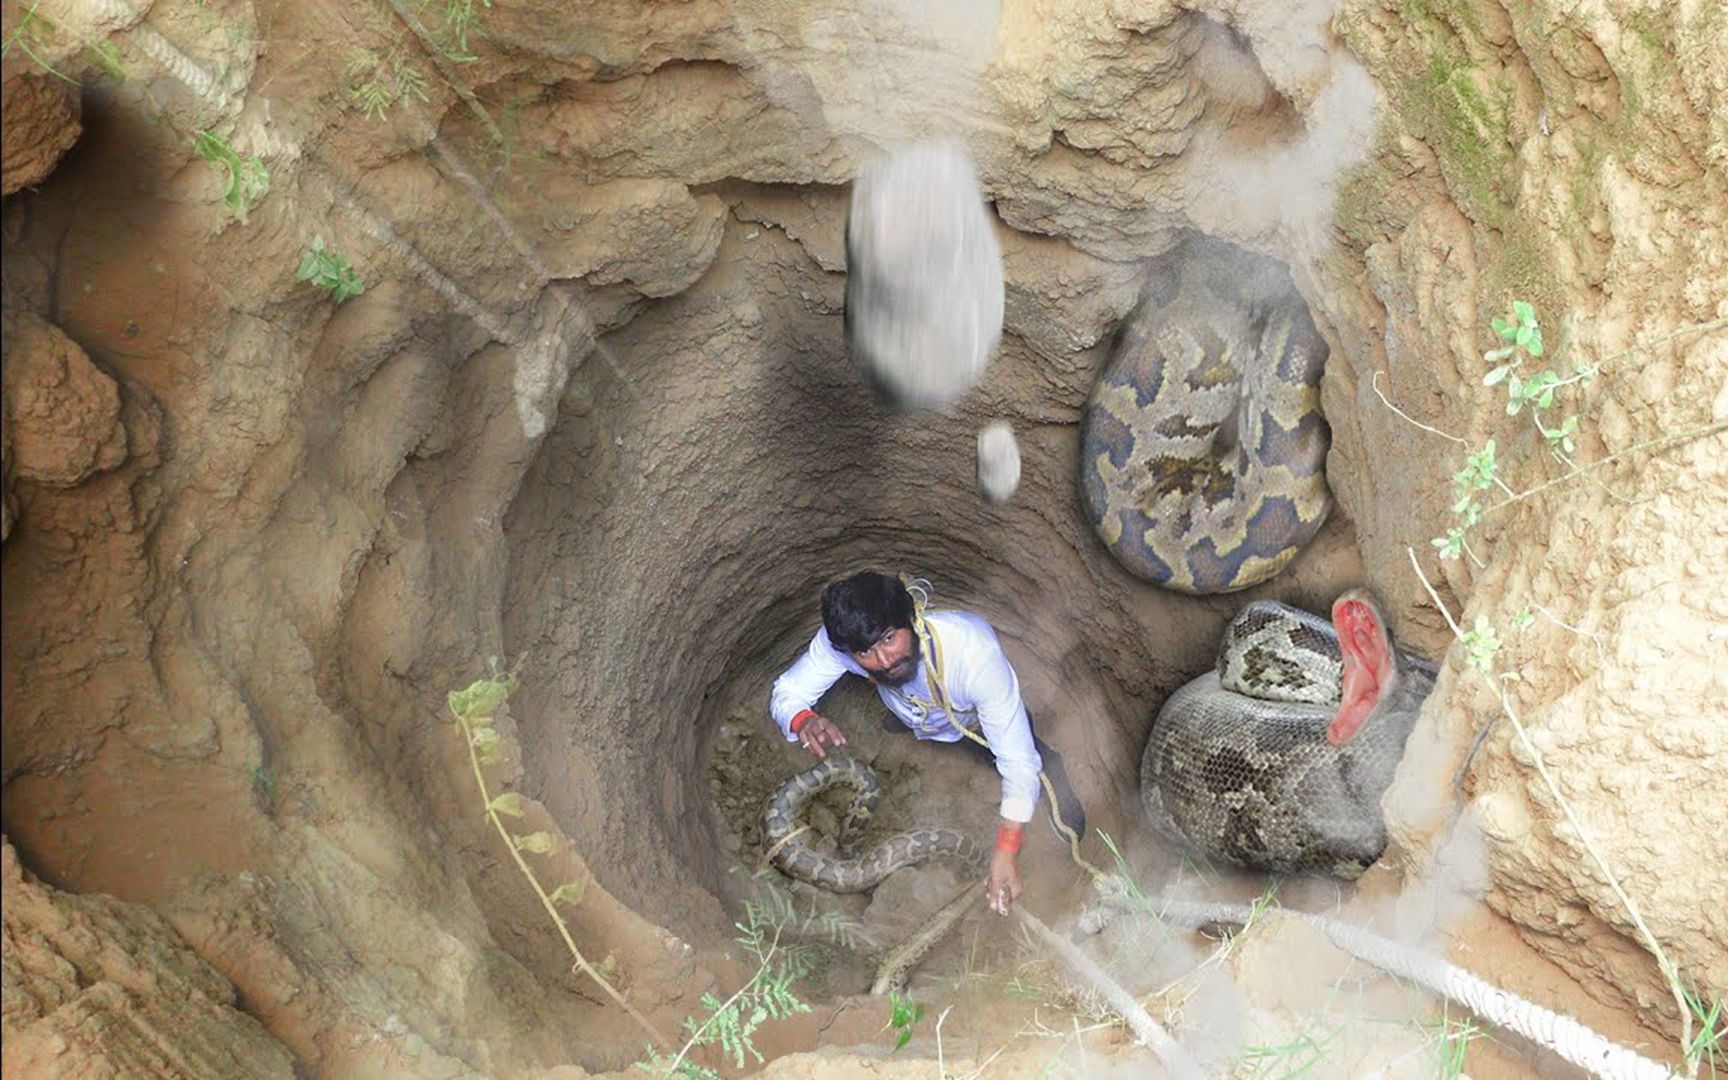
(593, 413)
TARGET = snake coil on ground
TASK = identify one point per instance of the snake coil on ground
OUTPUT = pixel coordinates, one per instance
(792, 851)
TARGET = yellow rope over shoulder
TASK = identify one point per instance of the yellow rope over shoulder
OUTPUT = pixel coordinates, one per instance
(921, 594)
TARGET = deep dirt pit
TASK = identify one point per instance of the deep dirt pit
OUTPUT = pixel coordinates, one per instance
(593, 413)
(759, 470)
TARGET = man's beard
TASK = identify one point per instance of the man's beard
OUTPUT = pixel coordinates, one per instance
(903, 672)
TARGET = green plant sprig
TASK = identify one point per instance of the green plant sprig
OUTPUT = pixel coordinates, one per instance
(329, 270)
(459, 18)
(21, 39)
(731, 1025)
(245, 179)
(1453, 1036)
(376, 83)
(474, 709)
(1706, 1047)
(1535, 391)
(903, 1017)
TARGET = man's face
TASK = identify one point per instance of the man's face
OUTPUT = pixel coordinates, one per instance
(893, 659)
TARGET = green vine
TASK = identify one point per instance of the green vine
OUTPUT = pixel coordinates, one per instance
(245, 179)
(475, 709)
(1537, 389)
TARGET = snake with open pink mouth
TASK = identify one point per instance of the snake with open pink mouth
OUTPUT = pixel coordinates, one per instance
(1277, 760)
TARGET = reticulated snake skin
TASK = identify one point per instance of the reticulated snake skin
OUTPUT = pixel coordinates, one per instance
(848, 872)
(1252, 781)
(1203, 445)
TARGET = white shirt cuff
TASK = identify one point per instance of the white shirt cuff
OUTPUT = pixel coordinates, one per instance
(1017, 810)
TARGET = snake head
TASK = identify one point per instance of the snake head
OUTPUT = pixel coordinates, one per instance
(1370, 666)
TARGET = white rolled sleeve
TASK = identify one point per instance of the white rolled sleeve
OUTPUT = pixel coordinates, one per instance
(994, 691)
(802, 685)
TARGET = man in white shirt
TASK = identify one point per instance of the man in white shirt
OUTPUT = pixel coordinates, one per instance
(868, 630)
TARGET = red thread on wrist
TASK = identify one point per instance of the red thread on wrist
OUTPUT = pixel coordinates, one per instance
(801, 719)
(1008, 838)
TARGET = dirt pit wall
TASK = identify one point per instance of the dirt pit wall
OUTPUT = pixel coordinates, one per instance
(592, 411)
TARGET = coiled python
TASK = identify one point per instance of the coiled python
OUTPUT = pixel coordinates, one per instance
(1203, 448)
(790, 850)
(1278, 759)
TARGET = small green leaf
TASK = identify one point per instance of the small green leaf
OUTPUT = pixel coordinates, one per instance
(107, 55)
(481, 698)
(1481, 643)
(410, 83)
(1521, 337)
(538, 843)
(1534, 347)
(509, 804)
(1523, 618)
(1505, 329)
(1526, 314)
(571, 892)
(1497, 376)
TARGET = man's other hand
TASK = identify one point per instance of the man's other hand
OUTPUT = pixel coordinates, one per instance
(819, 731)
(1002, 887)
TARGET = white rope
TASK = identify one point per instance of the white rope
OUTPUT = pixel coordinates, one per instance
(1563, 1035)
(1177, 1060)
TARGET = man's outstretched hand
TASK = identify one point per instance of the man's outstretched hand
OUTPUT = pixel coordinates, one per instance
(1002, 887)
(819, 731)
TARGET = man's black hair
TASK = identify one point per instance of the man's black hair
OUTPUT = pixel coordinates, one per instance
(858, 610)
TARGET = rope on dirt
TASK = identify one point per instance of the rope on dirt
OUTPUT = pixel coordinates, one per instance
(1147, 1030)
(1563, 1035)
